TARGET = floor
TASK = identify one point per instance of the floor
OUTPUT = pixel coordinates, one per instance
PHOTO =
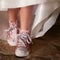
(43, 48)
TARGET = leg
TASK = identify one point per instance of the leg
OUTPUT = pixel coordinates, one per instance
(12, 30)
(12, 13)
(26, 17)
(24, 39)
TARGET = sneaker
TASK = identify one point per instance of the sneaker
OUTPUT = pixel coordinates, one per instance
(23, 44)
(12, 34)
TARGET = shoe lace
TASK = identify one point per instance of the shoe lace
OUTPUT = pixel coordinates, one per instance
(24, 39)
(10, 29)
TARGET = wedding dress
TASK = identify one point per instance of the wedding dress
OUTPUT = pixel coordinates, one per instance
(45, 12)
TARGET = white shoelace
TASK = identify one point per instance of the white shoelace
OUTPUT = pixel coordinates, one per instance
(23, 39)
(9, 32)
(10, 28)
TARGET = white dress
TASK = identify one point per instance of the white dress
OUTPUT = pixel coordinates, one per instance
(22, 3)
(45, 11)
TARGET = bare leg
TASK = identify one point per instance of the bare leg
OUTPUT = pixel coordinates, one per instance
(12, 13)
(24, 39)
(12, 30)
(26, 17)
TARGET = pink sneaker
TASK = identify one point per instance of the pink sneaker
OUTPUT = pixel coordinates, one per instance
(12, 34)
(23, 44)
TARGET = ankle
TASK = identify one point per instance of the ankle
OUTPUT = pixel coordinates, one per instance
(12, 23)
(24, 30)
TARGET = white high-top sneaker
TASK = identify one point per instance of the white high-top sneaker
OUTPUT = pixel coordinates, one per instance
(12, 34)
(23, 44)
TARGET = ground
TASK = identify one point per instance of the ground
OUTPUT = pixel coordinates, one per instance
(43, 48)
